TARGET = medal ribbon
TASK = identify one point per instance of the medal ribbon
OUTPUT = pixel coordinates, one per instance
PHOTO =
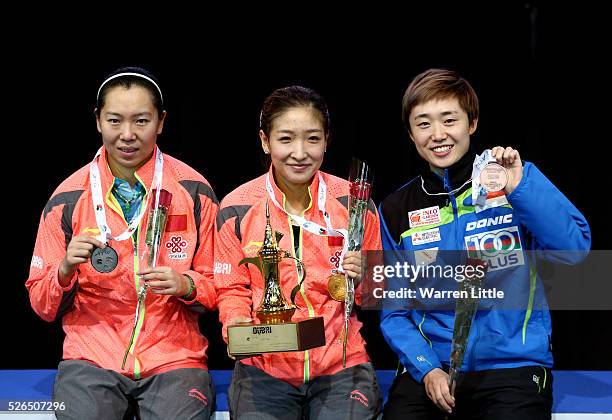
(479, 194)
(310, 226)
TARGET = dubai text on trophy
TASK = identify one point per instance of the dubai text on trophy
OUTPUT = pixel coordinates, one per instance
(275, 332)
(341, 287)
(465, 310)
(156, 225)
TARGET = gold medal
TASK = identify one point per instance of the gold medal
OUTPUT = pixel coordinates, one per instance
(336, 286)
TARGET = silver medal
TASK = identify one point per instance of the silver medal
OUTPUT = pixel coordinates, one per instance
(104, 260)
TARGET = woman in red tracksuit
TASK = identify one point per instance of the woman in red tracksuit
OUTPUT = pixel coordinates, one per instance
(294, 132)
(87, 269)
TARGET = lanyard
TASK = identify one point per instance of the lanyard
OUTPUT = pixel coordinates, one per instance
(310, 226)
(98, 201)
(444, 193)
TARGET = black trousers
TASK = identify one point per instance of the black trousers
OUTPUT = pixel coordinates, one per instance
(351, 394)
(87, 392)
(523, 393)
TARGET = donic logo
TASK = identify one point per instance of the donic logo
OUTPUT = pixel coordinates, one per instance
(490, 221)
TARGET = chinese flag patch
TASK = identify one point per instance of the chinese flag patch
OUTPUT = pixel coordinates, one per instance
(176, 223)
(335, 240)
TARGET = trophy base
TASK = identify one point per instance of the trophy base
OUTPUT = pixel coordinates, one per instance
(251, 339)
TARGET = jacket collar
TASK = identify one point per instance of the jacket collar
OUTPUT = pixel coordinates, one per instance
(313, 189)
(455, 175)
(144, 174)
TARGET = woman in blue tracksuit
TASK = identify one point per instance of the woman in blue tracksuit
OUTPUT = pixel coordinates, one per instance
(506, 368)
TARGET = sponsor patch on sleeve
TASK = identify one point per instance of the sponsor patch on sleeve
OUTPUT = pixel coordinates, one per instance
(223, 268)
(37, 262)
(501, 248)
(422, 217)
(177, 248)
(425, 236)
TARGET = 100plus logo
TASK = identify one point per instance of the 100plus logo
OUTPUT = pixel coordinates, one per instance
(501, 248)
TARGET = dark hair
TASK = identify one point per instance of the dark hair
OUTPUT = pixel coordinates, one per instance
(288, 97)
(439, 84)
(134, 76)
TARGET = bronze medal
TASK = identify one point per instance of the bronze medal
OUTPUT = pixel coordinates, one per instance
(336, 286)
(493, 177)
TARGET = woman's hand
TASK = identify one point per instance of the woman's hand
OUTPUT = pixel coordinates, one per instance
(79, 251)
(352, 265)
(165, 281)
(510, 159)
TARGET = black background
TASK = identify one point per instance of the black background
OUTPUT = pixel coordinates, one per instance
(538, 71)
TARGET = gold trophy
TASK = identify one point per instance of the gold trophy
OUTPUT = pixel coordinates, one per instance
(275, 332)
